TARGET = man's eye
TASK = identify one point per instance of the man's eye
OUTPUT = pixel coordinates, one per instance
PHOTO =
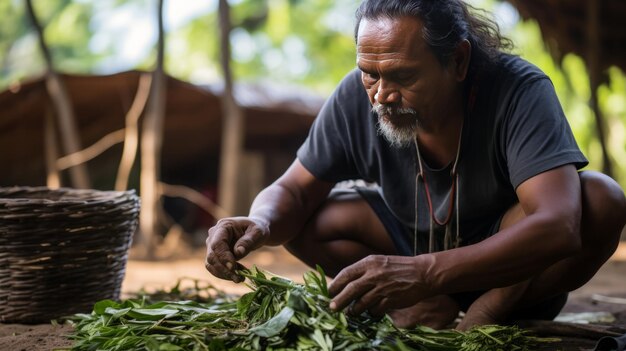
(403, 78)
(373, 77)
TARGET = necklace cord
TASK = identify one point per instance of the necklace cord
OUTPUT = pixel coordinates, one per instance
(454, 190)
(453, 201)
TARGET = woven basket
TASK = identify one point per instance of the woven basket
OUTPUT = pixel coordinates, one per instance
(62, 250)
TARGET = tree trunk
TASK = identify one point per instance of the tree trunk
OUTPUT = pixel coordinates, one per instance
(232, 122)
(62, 106)
(593, 65)
(151, 142)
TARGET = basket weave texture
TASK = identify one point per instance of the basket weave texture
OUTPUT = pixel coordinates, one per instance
(62, 250)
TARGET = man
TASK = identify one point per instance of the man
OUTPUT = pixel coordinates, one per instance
(478, 204)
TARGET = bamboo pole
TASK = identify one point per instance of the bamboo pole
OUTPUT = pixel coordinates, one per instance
(233, 123)
(192, 196)
(151, 143)
(51, 151)
(63, 107)
(594, 52)
(131, 137)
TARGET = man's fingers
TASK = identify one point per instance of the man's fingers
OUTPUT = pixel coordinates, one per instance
(218, 269)
(344, 277)
(220, 258)
(353, 291)
(251, 240)
(364, 303)
(229, 240)
(222, 253)
(379, 309)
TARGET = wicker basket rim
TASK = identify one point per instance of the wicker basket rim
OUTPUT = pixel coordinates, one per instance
(42, 195)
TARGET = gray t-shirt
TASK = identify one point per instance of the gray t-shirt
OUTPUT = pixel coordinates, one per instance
(515, 130)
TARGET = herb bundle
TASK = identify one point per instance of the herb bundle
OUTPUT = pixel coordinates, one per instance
(278, 314)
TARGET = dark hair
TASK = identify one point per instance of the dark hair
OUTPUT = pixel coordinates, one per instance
(446, 24)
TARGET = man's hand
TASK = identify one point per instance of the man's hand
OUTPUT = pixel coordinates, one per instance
(380, 283)
(230, 240)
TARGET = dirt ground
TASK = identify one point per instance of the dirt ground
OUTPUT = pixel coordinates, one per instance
(150, 275)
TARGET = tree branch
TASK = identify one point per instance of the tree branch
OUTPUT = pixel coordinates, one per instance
(62, 105)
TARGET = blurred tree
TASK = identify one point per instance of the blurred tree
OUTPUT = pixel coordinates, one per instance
(233, 128)
(64, 113)
(151, 145)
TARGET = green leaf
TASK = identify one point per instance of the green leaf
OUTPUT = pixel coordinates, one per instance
(151, 314)
(296, 301)
(275, 325)
(169, 347)
(101, 306)
(116, 313)
(324, 285)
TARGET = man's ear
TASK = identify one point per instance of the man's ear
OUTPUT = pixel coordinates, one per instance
(461, 59)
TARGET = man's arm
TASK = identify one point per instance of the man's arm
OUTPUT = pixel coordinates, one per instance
(286, 205)
(277, 215)
(548, 233)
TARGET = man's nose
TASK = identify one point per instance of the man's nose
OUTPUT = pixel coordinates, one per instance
(386, 94)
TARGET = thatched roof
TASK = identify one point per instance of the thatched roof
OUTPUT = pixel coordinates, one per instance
(276, 119)
(565, 27)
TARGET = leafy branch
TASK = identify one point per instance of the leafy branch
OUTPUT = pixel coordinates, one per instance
(277, 314)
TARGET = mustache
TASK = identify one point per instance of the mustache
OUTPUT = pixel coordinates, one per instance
(387, 110)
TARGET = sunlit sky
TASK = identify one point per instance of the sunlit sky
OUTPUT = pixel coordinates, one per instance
(130, 30)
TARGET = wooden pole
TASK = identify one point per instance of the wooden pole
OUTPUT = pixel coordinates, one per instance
(62, 105)
(53, 179)
(594, 53)
(232, 122)
(151, 142)
(131, 137)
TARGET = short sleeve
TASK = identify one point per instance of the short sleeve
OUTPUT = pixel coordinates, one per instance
(537, 136)
(327, 152)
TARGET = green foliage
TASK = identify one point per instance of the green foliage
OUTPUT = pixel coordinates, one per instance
(66, 31)
(193, 50)
(68, 34)
(308, 42)
(278, 314)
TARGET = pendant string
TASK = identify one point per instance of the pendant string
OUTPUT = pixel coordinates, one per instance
(457, 238)
(454, 190)
(453, 202)
(417, 183)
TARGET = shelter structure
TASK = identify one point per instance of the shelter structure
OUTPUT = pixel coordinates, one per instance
(277, 120)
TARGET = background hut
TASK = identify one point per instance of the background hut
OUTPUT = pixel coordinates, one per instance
(277, 121)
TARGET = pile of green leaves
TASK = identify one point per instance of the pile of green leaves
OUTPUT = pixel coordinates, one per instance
(278, 314)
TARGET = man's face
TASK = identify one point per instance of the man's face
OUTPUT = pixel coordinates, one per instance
(406, 84)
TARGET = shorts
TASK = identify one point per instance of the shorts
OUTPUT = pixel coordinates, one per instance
(401, 237)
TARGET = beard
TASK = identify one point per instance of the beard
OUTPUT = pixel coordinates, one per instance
(401, 133)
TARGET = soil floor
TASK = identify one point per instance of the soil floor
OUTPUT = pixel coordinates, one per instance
(162, 274)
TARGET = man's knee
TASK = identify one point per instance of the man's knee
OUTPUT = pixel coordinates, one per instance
(335, 217)
(342, 231)
(344, 217)
(604, 210)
